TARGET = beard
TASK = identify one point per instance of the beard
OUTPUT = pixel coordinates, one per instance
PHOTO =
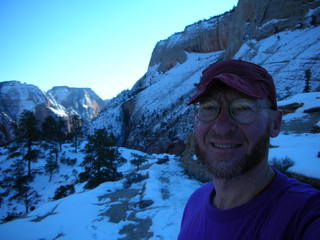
(226, 170)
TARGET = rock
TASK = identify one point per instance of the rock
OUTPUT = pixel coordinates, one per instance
(290, 108)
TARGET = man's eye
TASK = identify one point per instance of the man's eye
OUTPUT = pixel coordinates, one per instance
(210, 108)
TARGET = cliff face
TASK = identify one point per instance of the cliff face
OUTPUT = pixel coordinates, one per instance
(16, 97)
(249, 20)
(282, 36)
(82, 101)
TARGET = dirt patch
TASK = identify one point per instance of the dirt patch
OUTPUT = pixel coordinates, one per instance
(122, 207)
(305, 125)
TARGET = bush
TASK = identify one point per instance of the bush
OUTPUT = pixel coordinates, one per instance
(163, 160)
(134, 177)
(11, 216)
(138, 160)
(84, 176)
(63, 191)
(68, 161)
(282, 164)
(13, 148)
(14, 154)
(104, 176)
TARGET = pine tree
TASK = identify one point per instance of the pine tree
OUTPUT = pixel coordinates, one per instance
(51, 166)
(50, 133)
(100, 161)
(307, 87)
(28, 131)
(61, 134)
(21, 185)
(76, 130)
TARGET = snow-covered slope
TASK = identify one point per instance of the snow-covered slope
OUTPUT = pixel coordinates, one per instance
(158, 113)
(156, 117)
(113, 210)
(15, 97)
(148, 209)
(287, 55)
(83, 101)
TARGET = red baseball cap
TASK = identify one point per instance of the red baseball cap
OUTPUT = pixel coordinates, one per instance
(248, 78)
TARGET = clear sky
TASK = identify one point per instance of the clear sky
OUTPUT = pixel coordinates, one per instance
(102, 44)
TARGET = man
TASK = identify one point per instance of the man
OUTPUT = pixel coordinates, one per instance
(247, 199)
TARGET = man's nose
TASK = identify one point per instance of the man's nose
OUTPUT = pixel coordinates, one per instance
(224, 125)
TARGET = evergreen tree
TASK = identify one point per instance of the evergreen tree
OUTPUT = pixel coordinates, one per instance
(50, 133)
(307, 87)
(51, 166)
(49, 129)
(100, 161)
(61, 134)
(76, 130)
(28, 132)
(21, 185)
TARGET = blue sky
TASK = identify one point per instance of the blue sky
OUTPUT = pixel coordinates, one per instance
(102, 44)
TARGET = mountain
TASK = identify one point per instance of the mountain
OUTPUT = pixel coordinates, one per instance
(15, 97)
(148, 199)
(83, 101)
(282, 36)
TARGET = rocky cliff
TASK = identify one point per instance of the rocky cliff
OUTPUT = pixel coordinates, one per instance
(249, 20)
(83, 101)
(15, 97)
(283, 36)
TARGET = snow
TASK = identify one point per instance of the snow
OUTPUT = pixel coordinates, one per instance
(309, 100)
(180, 79)
(84, 215)
(314, 11)
(302, 149)
(286, 55)
(80, 216)
(271, 22)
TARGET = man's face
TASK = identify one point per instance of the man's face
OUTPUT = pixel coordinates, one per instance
(230, 148)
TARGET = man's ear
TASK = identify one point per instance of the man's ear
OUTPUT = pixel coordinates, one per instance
(276, 123)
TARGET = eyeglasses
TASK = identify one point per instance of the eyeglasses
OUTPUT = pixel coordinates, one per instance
(242, 110)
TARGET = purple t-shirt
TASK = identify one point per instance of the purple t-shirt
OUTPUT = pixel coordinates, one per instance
(288, 209)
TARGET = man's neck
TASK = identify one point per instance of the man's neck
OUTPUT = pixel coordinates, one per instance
(234, 192)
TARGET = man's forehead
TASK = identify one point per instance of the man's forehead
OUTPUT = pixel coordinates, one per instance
(224, 92)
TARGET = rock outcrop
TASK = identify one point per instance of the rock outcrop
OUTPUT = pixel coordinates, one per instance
(83, 101)
(282, 36)
(249, 20)
(16, 97)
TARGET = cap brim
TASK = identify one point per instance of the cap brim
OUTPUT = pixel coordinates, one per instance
(233, 81)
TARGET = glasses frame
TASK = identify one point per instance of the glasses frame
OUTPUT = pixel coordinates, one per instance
(260, 104)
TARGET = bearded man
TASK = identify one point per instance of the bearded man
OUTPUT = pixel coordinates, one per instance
(236, 116)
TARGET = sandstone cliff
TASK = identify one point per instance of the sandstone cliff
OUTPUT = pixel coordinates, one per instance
(283, 36)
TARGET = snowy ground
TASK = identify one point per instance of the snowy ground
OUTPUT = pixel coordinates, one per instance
(149, 209)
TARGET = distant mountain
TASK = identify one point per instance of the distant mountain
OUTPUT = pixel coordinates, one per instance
(83, 101)
(15, 97)
(282, 36)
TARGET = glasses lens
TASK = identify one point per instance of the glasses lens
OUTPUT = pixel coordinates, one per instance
(208, 111)
(243, 110)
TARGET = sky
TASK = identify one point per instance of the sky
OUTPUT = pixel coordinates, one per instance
(105, 45)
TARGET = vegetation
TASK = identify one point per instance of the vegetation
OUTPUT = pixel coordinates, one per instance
(307, 87)
(100, 162)
(63, 191)
(282, 164)
(76, 130)
(28, 132)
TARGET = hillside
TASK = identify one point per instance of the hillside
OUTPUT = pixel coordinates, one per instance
(148, 199)
(154, 117)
